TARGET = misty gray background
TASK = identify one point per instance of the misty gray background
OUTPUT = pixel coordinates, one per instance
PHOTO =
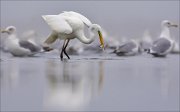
(119, 18)
(138, 83)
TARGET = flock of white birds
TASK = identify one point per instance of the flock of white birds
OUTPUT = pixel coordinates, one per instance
(69, 25)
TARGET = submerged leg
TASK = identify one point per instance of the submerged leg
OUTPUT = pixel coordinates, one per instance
(61, 54)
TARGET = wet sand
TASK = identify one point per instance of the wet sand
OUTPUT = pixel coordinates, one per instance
(90, 83)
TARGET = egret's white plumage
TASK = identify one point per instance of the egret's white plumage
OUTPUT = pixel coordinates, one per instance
(18, 47)
(111, 44)
(164, 44)
(71, 86)
(70, 25)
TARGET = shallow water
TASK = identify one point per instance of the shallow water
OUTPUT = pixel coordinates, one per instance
(88, 83)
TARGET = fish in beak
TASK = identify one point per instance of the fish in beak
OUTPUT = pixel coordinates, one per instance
(101, 40)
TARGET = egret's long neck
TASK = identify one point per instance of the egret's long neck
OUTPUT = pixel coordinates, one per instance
(165, 33)
(86, 40)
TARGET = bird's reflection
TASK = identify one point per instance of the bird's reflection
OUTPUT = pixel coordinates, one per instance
(71, 85)
(164, 80)
(158, 79)
(9, 74)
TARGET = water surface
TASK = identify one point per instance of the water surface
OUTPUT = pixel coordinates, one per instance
(89, 83)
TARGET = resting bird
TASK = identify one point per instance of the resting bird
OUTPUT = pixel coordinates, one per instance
(19, 47)
(70, 25)
(164, 44)
(129, 48)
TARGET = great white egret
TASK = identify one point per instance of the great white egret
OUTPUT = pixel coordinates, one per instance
(70, 25)
(164, 44)
(19, 47)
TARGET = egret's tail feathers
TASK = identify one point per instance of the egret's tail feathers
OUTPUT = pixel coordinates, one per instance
(45, 17)
(49, 18)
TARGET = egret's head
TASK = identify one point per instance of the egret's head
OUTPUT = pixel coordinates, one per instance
(9, 30)
(168, 23)
(97, 29)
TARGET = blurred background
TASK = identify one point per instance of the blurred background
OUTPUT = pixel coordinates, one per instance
(119, 18)
(91, 82)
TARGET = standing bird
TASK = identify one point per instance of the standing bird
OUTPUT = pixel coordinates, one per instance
(164, 44)
(70, 25)
(19, 47)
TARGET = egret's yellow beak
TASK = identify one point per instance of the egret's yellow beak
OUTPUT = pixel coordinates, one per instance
(101, 40)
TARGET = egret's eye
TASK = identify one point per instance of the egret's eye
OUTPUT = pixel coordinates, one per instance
(92, 28)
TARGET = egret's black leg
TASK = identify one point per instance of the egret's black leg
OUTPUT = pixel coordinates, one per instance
(61, 54)
(65, 48)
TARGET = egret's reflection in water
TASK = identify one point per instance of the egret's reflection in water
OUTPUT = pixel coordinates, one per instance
(72, 85)
(136, 83)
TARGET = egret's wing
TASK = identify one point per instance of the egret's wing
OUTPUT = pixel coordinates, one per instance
(85, 20)
(51, 38)
(161, 45)
(57, 24)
